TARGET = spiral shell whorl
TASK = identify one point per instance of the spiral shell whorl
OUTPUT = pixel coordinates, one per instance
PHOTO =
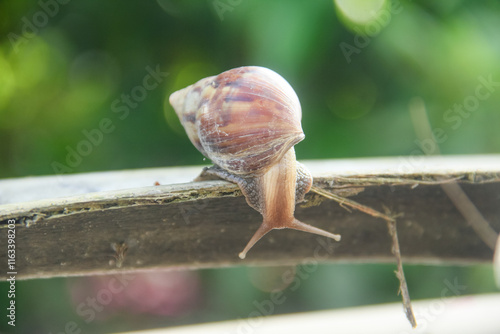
(244, 119)
(187, 102)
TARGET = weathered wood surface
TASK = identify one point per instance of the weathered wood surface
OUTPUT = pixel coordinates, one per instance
(206, 224)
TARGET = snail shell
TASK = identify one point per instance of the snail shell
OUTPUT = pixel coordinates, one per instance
(244, 119)
(247, 120)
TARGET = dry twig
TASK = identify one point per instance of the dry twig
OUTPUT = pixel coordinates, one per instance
(391, 225)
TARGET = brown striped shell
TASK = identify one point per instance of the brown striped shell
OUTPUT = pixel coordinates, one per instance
(244, 119)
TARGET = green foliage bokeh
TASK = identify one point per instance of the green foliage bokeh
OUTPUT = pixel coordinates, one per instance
(355, 81)
(355, 75)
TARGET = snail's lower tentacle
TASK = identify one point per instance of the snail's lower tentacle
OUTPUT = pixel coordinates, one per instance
(298, 225)
(294, 224)
(263, 229)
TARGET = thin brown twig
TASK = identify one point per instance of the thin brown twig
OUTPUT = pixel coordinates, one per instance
(461, 201)
(471, 214)
(403, 287)
(353, 204)
(391, 225)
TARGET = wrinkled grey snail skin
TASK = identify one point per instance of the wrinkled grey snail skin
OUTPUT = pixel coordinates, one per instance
(247, 120)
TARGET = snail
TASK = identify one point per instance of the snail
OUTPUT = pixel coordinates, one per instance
(247, 120)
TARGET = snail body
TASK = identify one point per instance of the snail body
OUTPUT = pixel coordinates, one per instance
(247, 120)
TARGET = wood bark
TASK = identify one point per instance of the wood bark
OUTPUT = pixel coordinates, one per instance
(206, 224)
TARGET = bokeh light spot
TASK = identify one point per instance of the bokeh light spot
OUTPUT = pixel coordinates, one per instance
(353, 101)
(30, 64)
(96, 72)
(360, 11)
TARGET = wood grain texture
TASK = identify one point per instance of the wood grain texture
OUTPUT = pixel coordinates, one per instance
(206, 224)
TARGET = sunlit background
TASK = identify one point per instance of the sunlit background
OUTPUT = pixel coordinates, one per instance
(68, 68)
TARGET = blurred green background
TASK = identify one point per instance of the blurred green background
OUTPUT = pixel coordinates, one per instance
(355, 65)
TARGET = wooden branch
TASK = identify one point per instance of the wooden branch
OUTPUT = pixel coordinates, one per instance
(206, 224)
